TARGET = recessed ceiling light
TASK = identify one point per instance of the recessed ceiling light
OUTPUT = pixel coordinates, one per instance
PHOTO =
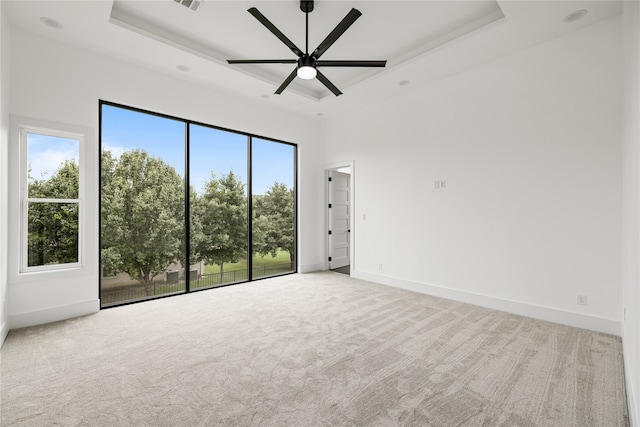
(575, 16)
(265, 96)
(50, 22)
(183, 68)
(404, 82)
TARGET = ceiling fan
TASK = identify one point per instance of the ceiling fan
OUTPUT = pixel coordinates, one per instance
(308, 64)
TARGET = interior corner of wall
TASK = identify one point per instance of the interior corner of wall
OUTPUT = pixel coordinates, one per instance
(630, 363)
(54, 314)
(310, 268)
(4, 331)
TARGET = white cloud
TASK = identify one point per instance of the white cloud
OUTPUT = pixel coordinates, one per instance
(46, 154)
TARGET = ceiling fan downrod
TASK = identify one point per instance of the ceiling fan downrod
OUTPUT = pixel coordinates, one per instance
(306, 6)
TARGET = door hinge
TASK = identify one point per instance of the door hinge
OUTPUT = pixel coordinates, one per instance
(329, 179)
(329, 232)
(329, 258)
(329, 205)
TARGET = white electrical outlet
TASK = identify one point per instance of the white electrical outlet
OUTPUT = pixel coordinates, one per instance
(582, 300)
(380, 267)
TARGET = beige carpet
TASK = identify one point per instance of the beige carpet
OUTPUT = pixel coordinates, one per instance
(310, 350)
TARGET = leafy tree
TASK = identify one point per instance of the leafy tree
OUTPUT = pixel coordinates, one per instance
(222, 213)
(196, 231)
(53, 226)
(109, 255)
(63, 184)
(261, 226)
(273, 221)
(142, 215)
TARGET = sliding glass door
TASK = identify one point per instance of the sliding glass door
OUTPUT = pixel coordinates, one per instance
(147, 248)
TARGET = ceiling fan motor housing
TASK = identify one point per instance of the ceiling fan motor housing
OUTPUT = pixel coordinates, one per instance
(307, 61)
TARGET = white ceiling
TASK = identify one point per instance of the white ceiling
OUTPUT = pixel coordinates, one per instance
(423, 41)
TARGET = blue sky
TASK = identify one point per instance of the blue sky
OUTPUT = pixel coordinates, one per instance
(46, 153)
(211, 149)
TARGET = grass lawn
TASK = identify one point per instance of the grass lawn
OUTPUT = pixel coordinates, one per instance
(281, 256)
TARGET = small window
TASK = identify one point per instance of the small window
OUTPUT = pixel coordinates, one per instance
(51, 199)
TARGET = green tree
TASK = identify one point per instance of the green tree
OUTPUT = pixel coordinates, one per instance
(109, 254)
(273, 222)
(196, 230)
(53, 226)
(222, 213)
(142, 215)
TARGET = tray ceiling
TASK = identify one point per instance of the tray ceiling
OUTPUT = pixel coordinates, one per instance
(423, 41)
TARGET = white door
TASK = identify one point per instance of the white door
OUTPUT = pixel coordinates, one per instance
(338, 219)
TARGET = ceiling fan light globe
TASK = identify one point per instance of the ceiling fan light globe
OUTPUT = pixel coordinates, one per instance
(306, 72)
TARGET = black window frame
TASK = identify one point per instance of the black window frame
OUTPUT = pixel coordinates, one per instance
(188, 123)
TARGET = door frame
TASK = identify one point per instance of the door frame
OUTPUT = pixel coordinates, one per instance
(352, 247)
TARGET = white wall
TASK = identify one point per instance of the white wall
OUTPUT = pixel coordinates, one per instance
(61, 83)
(4, 153)
(530, 148)
(631, 206)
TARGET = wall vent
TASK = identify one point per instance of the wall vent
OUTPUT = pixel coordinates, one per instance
(191, 4)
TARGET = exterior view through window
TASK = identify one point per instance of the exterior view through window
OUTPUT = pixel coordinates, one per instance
(160, 237)
(219, 219)
(273, 209)
(52, 202)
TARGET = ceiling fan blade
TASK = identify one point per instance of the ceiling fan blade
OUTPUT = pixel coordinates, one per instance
(325, 81)
(262, 61)
(337, 32)
(288, 80)
(264, 21)
(351, 63)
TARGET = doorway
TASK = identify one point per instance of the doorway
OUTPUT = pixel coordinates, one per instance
(339, 213)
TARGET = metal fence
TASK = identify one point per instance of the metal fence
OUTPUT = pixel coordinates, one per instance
(138, 292)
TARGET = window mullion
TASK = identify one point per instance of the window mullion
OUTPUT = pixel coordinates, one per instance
(50, 200)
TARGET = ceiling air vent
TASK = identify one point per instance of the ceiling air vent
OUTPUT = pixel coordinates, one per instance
(191, 4)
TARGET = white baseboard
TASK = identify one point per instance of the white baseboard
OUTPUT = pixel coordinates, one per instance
(32, 318)
(578, 320)
(632, 400)
(310, 268)
(4, 330)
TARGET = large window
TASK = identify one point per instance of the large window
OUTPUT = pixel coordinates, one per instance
(176, 199)
(142, 205)
(219, 207)
(274, 238)
(51, 200)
